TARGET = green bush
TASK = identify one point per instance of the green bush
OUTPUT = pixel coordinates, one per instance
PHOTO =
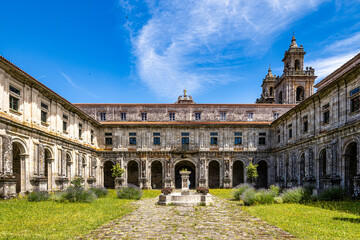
(264, 196)
(38, 196)
(75, 194)
(99, 191)
(294, 195)
(278, 200)
(332, 194)
(249, 196)
(275, 190)
(240, 189)
(129, 192)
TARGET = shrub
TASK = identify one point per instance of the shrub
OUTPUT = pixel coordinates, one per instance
(202, 190)
(278, 200)
(117, 171)
(166, 191)
(294, 195)
(129, 192)
(332, 194)
(249, 196)
(240, 189)
(251, 172)
(74, 194)
(77, 182)
(99, 191)
(38, 196)
(264, 196)
(275, 190)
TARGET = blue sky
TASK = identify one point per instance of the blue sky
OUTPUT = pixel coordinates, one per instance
(148, 51)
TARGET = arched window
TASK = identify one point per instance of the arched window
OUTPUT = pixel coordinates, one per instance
(299, 94)
(297, 65)
(280, 97)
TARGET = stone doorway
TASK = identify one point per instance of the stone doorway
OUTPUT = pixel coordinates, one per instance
(190, 167)
(262, 180)
(350, 167)
(214, 174)
(238, 173)
(156, 175)
(109, 181)
(133, 173)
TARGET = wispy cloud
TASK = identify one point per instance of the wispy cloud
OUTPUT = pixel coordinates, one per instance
(72, 83)
(192, 44)
(325, 66)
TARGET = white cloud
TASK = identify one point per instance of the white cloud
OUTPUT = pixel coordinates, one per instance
(190, 44)
(72, 83)
(325, 66)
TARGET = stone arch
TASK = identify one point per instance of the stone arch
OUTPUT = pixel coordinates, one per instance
(109, 180)
(262, 180)
(133, 172)
(322, 167)
(302, 168)
(351, 166)
(300, 94)
(156, 174)
(214, 174)
(190, 166)
(19, 150)
(280, 98)
(238, 173)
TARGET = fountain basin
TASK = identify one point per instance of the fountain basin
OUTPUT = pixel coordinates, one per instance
(187, 200)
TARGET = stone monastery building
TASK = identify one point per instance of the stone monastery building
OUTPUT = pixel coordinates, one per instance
(295, 136)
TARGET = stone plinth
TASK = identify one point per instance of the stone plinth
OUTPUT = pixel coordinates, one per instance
(192, 199)
(185, 182)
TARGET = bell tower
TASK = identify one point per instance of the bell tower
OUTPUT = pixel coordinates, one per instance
(268, 90)
(295, 84)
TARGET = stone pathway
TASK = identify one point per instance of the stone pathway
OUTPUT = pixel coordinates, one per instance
(222, 220)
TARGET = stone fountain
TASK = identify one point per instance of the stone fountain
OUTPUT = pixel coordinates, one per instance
(186, 197)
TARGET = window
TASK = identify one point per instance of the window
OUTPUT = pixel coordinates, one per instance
(44, 112)
(14, 90)
(238, 133)
(355, 100)
(80, 130)
(213, 140)
(143, 116)
(102, 116)
(262, 138)
(223, 116)
(355, 104)
(156, 140)
(65, 119)
(123, 116)
(184, 134)
(132, 140)
(198, 116)
(14, 103)
(92, 136)
(213, 134)
(305, 124)
(184, 140)
(326, 114)
(172, 116)
(108, 138)
(278, 136)
(250, 116)
(156, 134)
(290, 130)
(238, 140)
(276, 115)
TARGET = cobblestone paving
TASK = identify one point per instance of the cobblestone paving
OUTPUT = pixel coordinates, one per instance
(222, 220)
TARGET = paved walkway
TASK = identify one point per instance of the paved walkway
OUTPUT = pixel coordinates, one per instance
(222, 220)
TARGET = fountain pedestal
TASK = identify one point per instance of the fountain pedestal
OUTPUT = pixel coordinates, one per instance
(185, 182)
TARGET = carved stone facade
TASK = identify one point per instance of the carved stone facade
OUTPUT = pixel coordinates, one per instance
(46, 141)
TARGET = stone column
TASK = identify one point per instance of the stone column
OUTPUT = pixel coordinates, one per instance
(8, 156)
(227, 180)
(202, 178)
(50, 174)
(143, 176)
(168, 180)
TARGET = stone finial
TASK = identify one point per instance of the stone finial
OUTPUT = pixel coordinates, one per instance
(293, 42)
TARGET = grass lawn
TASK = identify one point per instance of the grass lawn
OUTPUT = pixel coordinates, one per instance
(151, 193)
(314, 220)
(51, 220)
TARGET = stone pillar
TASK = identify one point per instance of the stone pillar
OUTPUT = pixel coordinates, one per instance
(50, 174)
(185, 182)
(168, 180)
(227, 180)
(143, 176)
(8, 157)
(202, 178)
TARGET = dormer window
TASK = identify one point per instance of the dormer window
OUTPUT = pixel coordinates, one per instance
(171, 116)
(123, 116)
(223, 116)
(144, 116)
(250, 116)
(198, 116)
(103, 116)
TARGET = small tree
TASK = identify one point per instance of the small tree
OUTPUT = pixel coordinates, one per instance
(252, 173)
(117, 171)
